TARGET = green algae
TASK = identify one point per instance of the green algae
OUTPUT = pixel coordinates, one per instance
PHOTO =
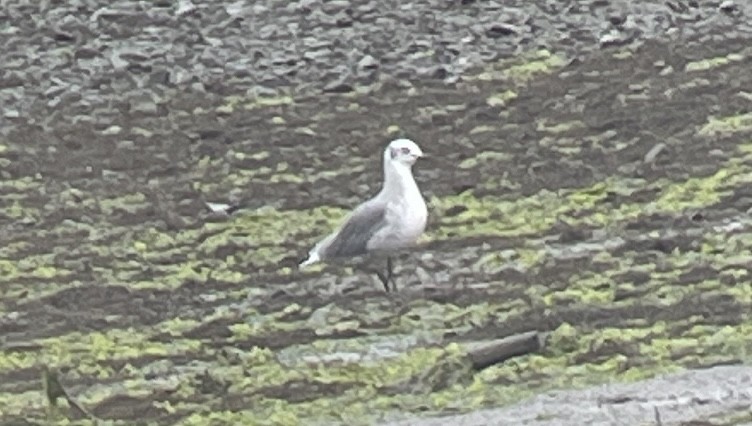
(8, 270)
(269, 101)
(492, 215)
(128, 203)
(564, 339)
(738, 416)
(89, 355)
(286, 178)
(241, 177)
(727, 125)
(390, 372)
(12, 249)
(541, 62)
(16, 211)
(483, 216)
(249, 103)
(260, 326)
(675, 196)
(521, 376)
(40, 268)
(111, 345)
(711, 63)
(695, 192)
(484, 158)
(26, 184)
(169, 276)
(658, 352)
(586, 289)
(501, 99)
(482, 129)
(564, 146)
(408, 371)
(393, 129)
(258, 234)
(522, 69)
(559, 128)
(152, 239)
(21, 403)
(264, 230)
(625, 53)
(17, 360)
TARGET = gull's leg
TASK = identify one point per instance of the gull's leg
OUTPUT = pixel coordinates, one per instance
(384, 279)
(367, 266)
(390, 273)
(385, 276)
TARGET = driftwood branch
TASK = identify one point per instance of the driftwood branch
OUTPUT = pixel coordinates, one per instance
(497, 351)
(54, 390)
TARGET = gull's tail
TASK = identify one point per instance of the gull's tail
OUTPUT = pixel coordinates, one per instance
(313, 257)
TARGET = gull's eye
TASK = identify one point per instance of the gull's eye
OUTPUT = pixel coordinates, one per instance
(405, 150)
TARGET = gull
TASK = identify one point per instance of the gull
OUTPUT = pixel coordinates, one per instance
(387, 223)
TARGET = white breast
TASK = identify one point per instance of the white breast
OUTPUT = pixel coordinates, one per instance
(406, 213)
(415, 215)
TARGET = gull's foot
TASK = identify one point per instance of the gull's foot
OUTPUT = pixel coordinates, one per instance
(394, 284)
(385, 276)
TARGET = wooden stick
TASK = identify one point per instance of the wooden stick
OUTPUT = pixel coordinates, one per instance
(54, 390)
(498, 351)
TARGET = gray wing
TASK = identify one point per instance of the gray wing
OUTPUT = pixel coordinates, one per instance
(352, 239)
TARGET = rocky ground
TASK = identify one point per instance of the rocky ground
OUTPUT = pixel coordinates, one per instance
(588, 176)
